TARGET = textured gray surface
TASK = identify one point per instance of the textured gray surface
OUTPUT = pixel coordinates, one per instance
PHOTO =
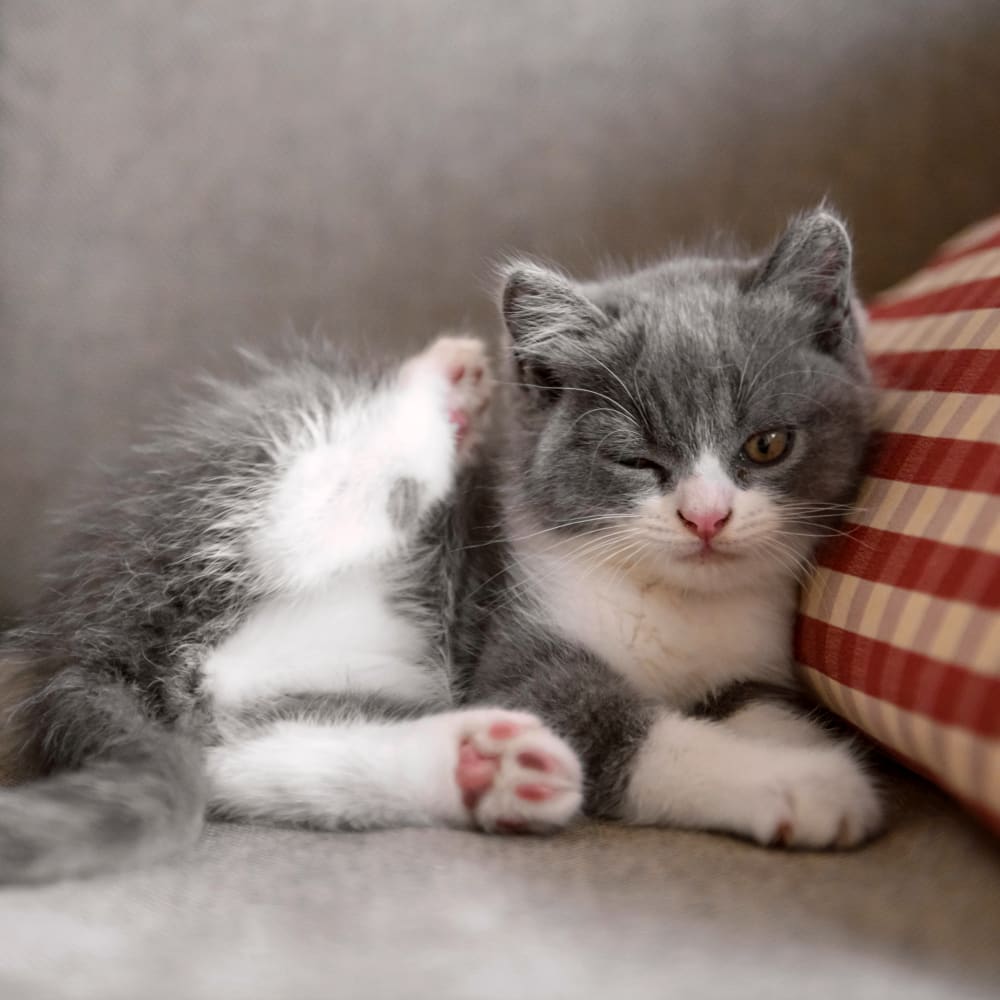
(177, 176)
(598, 912)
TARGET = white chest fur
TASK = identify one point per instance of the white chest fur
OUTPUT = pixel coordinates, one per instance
(670, 644)
(344, 636)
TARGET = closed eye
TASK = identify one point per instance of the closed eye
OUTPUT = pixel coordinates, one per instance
(645, 465)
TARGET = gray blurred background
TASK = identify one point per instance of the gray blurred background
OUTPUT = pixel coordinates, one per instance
(180, 176)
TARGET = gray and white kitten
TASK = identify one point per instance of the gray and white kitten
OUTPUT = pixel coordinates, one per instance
(321, 600)
(678, 441)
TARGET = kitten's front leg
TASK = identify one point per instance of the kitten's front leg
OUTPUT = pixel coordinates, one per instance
(766, 773)
(353, 487)
(769, 775)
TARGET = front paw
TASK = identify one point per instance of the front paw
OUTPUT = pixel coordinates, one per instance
(820, 798)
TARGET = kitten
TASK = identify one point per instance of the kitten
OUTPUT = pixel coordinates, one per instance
(678, 440)
(251, 619)
(296, 608)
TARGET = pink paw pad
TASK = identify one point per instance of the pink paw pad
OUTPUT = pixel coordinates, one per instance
(502, 730)
(534, 793)
(474, 774)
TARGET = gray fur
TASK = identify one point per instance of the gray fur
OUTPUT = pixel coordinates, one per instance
(404, 501)
(581, 698)
(681, 350)
(154, 571)
(656, 366)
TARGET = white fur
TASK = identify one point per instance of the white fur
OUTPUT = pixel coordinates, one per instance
(344, 636)
(376, 774)
(772, 723)
(670, 643)
(676, 622)
(325, 549)
(700, 774)
(708, 489)
(329, 509)
(327, 530)
(364, 774)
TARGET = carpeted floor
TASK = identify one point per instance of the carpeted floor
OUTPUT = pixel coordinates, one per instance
(598, 912)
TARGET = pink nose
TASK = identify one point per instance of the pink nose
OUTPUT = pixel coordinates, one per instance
(705, 524)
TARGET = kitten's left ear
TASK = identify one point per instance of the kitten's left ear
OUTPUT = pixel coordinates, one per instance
(812, 260)
(541, 306)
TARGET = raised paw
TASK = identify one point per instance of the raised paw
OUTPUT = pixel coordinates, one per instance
(514, 775)
(466, 369)
(819, 800)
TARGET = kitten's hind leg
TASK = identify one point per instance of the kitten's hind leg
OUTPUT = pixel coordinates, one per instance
(463, 363)
(496, 770)
(354, 488)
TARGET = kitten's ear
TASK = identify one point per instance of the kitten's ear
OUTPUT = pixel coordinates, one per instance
(546, 316)
(812, 260)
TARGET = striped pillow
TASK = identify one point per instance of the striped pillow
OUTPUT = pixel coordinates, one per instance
(899, 631)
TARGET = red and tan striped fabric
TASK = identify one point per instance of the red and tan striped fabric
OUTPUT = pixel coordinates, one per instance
(899, 632)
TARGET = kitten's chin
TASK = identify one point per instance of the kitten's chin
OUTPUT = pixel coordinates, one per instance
(710, 557)
(713, 571)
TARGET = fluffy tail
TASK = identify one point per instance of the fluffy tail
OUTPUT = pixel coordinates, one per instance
(132, 791)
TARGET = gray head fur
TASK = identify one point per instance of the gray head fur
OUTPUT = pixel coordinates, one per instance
(624, 384)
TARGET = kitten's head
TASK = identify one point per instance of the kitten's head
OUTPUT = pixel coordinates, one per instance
(703, 420)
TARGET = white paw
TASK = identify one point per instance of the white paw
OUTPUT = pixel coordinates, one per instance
(465, 367)
(819, 799)
(514, 775)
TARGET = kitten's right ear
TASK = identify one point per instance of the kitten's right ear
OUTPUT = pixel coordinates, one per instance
(544, 311)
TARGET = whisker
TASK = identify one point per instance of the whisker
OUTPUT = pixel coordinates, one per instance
(606, 540)
(555, 527)
(831, 533)
(601, 532)
(596, 409)
(642, 414)
(781, 350)
(789, 559)
(806, 505)
(575, 388)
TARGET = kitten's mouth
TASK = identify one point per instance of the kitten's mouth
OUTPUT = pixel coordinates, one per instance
(710, 554)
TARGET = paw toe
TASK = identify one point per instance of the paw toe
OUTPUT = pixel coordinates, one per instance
(831, 804)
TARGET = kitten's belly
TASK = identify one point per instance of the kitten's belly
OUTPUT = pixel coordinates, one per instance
(671, 645)
(343, 637)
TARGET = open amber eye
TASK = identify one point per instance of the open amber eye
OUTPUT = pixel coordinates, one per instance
(767, 447)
